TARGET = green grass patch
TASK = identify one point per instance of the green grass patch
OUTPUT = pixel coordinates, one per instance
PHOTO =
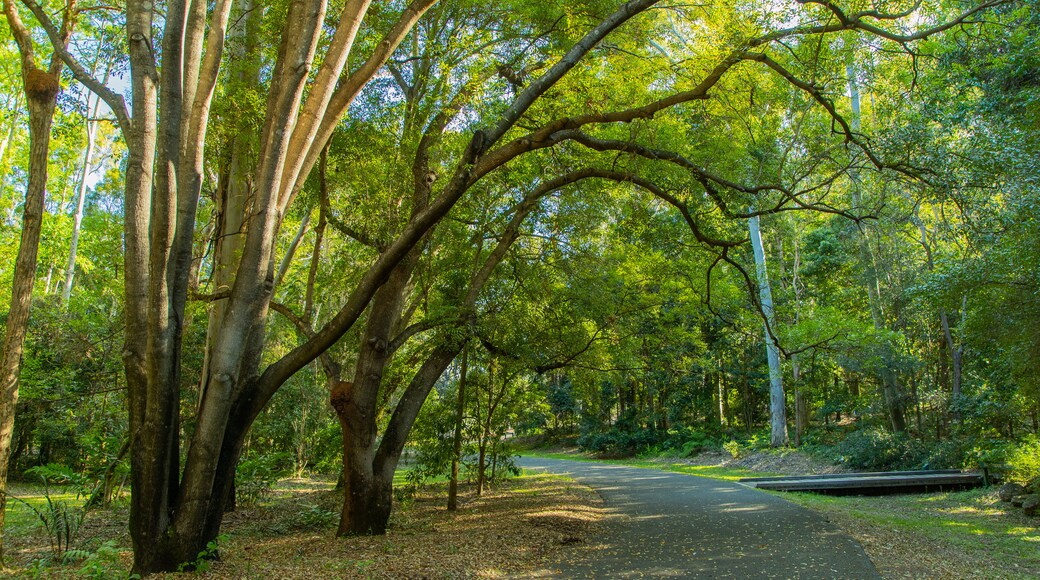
(972, 521)
(662, 464)
(19, 517)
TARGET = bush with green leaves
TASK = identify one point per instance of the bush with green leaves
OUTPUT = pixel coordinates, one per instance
(618, 443)
(104, 563)
(734, 448)
(255, 477)
(205, 557)
(687, 441)
(1024, 460)
(875, 449)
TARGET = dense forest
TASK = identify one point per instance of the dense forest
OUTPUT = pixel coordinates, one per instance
(248, 240)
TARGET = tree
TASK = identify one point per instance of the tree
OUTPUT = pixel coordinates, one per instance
(41, 88)
(777, 403)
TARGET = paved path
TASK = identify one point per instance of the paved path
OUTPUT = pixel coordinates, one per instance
(672, 524)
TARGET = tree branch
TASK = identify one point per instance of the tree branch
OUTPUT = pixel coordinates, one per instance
(112, 99)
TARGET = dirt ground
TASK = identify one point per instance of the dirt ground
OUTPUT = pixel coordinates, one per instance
(516, 528)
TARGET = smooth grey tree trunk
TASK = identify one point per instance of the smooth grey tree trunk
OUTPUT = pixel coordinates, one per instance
(956, 349)
(9, 133)
(777, 403)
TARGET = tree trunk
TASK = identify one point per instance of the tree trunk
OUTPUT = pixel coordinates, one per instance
(481, 465)
(801, 404)
(956, 349)
(41, 90)
(777, 403)
(456, 455)
(77, 218)
(9, 133)
(41, 112)
(367, 495)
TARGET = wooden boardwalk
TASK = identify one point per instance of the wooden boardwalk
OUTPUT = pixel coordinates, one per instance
(881, 483)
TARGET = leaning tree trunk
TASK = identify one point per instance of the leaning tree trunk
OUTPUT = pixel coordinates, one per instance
(369, 497)
(41, 110)
(41, 89)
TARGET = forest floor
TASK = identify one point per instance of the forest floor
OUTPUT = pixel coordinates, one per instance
(516, 529)
(966, 534)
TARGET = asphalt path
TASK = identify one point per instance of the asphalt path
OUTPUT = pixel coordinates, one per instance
(678, 525)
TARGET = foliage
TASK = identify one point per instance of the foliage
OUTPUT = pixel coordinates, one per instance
(60, 520)
(255, 477)
(874, 449)
(104, 563)
(734, 448)
(617, 443)
(1024, 460)
(205, 557)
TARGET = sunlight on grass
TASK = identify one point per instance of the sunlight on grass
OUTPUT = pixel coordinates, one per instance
(19, 516)
(710, 471)
(715, 471)
(967, 521)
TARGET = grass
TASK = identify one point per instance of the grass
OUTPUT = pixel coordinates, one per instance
(20, 516)
(950, 535)
(723, 472)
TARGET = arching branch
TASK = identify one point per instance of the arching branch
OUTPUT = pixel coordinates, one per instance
(112, 99)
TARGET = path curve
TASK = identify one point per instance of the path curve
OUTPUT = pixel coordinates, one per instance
(678, 525)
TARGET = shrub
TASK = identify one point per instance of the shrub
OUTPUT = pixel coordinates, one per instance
(688, 441)
(205, 557)
(615, 443)
(734, 448)
(947, 454)
(255, 477)
(1024, 460)
(875, 449)
(104, 563)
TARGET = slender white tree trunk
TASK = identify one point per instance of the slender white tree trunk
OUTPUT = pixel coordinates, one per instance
(777, 407)
(77, 218)
(9, 134)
